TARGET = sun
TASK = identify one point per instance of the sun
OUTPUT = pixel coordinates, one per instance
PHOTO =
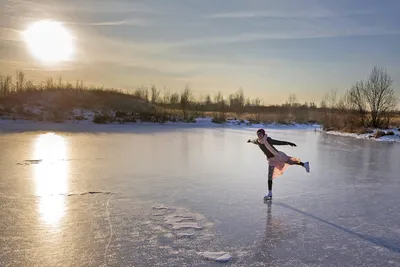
(49, 41)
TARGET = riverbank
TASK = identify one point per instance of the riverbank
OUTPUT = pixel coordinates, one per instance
(390, 135)
(90, 126)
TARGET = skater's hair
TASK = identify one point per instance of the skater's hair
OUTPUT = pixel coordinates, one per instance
(261, 131)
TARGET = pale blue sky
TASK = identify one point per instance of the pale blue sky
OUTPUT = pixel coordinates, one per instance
(269, 48)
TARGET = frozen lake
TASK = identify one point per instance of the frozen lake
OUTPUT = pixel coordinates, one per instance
(161, 195)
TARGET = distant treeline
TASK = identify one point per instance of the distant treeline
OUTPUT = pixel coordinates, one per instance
(369, 103)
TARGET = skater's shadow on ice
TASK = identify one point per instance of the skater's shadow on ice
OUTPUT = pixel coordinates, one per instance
(393, 245)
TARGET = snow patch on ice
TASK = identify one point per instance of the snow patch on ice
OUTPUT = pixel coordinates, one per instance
(183, 221)
(179, 219)
(190, 232)
(160, 208)
(216, 256)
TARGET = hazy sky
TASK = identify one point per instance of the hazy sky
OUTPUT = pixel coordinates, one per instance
(270, 48)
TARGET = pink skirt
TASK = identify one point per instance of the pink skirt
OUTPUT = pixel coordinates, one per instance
(281, 162)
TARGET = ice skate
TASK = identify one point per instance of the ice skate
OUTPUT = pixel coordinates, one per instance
(268, 197)
(307, 166)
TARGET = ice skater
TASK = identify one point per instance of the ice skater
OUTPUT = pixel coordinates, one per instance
(278, 161)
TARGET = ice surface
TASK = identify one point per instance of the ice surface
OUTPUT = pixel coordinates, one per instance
(151, 195)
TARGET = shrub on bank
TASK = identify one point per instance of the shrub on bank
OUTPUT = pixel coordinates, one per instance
(218, 120)
(100, 119)
(379, 134)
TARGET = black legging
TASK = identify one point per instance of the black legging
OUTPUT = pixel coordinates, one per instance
(271, 171)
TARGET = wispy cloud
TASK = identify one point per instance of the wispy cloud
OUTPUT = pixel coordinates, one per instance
(133, 22)
(8, 34)
(311, 13)
(89, 6)
(319, 13)
(297, 35)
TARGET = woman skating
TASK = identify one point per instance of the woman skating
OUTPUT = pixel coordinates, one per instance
(278, 161)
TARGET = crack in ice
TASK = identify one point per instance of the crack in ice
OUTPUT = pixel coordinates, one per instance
(111, 228)
(80, 194)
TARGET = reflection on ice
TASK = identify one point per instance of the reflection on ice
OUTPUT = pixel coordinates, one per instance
(51, 176)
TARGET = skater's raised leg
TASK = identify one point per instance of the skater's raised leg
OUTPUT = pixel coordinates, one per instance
(306, 165)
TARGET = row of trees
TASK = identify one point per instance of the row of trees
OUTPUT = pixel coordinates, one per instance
(236, 102)
(367, 103)
(185, 100)
(156, 96)
(21, 84)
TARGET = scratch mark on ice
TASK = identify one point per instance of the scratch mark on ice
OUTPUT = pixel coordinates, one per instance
(111, 228)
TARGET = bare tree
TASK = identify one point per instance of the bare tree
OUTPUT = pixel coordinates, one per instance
(331, 118)
(208, 100)
(186, 98)
(323, 104)
(380, 96)
(155, 94)
(292, 100)
(256, 102)
(5, 84)
(331, 99)
(248, 102)
(78, 85)
(49, 84)
(142, 93)
(174, 99)
(200, 106)
(355, 101)
(221, 105)
(237, 101)
(20, 81)
(60, 83)
(166, 96)
(291, 104)
(218, 98)
(30, 86)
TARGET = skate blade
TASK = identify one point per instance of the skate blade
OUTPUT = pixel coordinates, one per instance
(266, 199)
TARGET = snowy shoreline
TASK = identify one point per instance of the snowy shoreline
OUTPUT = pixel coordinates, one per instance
(369, 136)
(10, 126)
(84, 126)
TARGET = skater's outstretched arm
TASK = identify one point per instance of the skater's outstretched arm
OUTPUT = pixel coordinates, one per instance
(278, 142)
(254, 141)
